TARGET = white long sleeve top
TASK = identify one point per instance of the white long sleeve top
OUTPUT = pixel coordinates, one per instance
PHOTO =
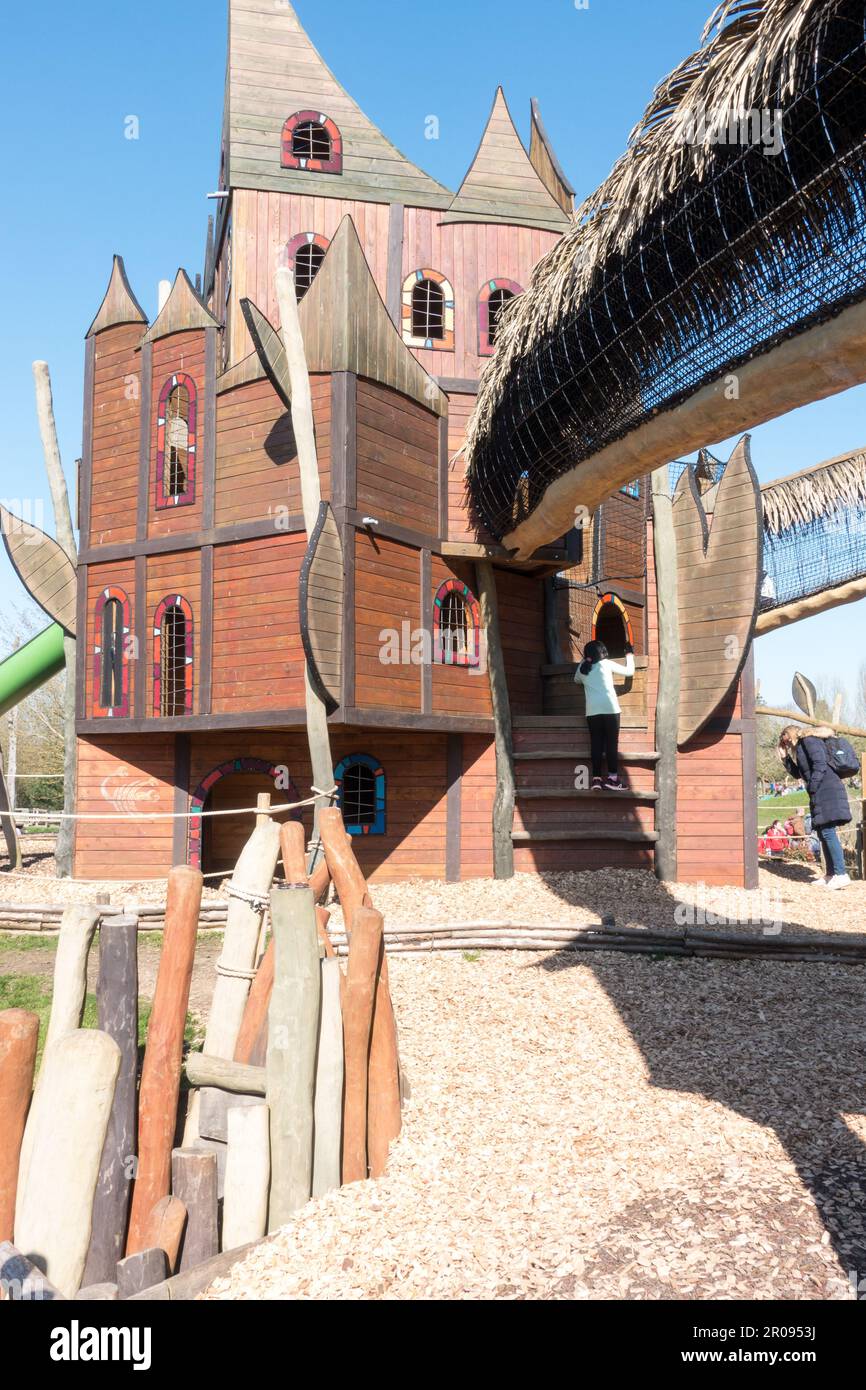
(598, 684)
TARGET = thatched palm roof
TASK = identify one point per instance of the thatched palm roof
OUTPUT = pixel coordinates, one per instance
(686, 242)
(815, 493)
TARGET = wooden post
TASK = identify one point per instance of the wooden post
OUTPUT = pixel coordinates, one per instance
(65, 534)
(668, 701)
(384, 1118)
(160, 1073)
(292, 1039)
(293, 846)
(70, 970)
(346, 874)
(139, 1272)
(248, 1175)
(69, 1119)
(165, 1227)
(303, 424)
(503, 804)
(252, 879)
(117, 1000)
(328, 1109)
(19, 1032)
(194, 1182)
(202, 1070)
(365, 951)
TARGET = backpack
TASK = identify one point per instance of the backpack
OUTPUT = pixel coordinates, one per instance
(842, 757)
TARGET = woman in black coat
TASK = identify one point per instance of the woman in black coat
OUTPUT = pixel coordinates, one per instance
(804, 754)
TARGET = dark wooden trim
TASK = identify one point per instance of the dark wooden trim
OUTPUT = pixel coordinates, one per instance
(453, 807)
(749, 749)
(251, 720)
(141, 675)
(82, 655)
(146, 387)
(443, 477)
(400, 719)
(426, 624)
(205, 672)
(394, 297)
(457, 385)
(192, 540)
(404, 534)
(718, 725)
(182, 760)
(347, 673)
(208, 472)
(351, 444)
(86, 472)
(344, 420)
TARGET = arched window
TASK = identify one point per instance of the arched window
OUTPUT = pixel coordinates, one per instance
(494, 296)
(172, 658)
(305, 254)
(428, 311)
(360, 782)
(176, 442)
(110, 655)
(612, 625)
(456, 625)
(312, 141)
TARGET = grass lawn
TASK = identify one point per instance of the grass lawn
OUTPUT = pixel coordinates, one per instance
(772, 808)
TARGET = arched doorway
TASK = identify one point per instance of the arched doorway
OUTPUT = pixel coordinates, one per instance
(611, 625)
(215, 842)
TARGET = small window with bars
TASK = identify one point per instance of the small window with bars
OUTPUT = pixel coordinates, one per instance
(496, 304)
(456, 625)
(111, 683)
(493, 300)
(310, 140)
(428, 310)
(308, 263)
(173, 650)
(360, 781)
(177, 442)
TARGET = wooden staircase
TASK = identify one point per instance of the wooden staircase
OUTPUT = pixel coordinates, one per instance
(559, 826)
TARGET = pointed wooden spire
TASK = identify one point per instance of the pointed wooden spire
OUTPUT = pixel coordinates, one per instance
(181, 311)
(346, 328)
(119, 305)
(274, 73)
(502, 185)
(545, 163)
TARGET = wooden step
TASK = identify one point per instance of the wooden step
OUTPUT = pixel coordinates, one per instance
(566, 793)
(635, 837)
(539, 755)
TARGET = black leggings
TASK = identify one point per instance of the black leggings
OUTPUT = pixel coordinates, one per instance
(604, 741)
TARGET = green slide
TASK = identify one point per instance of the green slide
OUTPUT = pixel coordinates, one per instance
(20, 674)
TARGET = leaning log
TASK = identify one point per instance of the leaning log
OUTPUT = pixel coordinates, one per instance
(19, 1034)
(248, 1173)
(117, 1003)
(202, 1070)
(358, 999)
(70, 970)
(328, 1108)
(384, 1118)
(256, 1012)
(348, 879)
(164, 1229)
(160, 1073)
(292, 1038)
(69, 1119)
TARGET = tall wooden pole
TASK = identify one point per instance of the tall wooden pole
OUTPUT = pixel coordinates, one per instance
(65, 534)
(668, 702)
(318, 735)
(19, 1031)
(503, 804)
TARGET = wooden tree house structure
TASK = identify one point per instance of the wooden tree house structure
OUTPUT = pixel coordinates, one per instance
(200, 597)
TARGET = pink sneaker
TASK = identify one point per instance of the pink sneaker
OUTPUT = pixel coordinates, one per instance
(614, 784)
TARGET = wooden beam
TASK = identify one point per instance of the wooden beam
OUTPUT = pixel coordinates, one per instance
(205, 673)
(453, 807)
(425, 585)
(792, 716)
(668, 699)
(146, 387)
(503, 804)
(394, 299)
(180, 829)
(208, 461)
(749, 754)
(787, 613)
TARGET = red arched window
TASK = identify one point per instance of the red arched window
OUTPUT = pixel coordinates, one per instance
(176, 440)
(428, 311)
(312, 141)
(172, 657)
(305, 254)
(456, 625)
(111, 655)
(494, 296)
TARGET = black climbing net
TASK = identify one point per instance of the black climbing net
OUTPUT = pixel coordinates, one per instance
(725, 268)
(808, 557)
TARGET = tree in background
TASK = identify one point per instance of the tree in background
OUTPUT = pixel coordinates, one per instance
(40, 725)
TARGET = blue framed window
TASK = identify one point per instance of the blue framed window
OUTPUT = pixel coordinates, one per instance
(631, 489)
(360, 783)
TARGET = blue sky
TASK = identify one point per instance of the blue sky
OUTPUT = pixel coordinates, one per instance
(77, 190)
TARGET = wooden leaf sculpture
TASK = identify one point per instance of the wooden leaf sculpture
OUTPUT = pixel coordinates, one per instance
(269, 346)
(719, 565)
(43, 567)
(321, 607)
(804, 693)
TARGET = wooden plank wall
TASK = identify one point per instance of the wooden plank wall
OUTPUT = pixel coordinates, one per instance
(120, 775)
(397, 459)
(458, 689)
(521, 623)
(258, 661)
(460, 527)
(387, 595)
(99, 577)
(257, 465)
(178, 352)
(116, 426)
(476, 806)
